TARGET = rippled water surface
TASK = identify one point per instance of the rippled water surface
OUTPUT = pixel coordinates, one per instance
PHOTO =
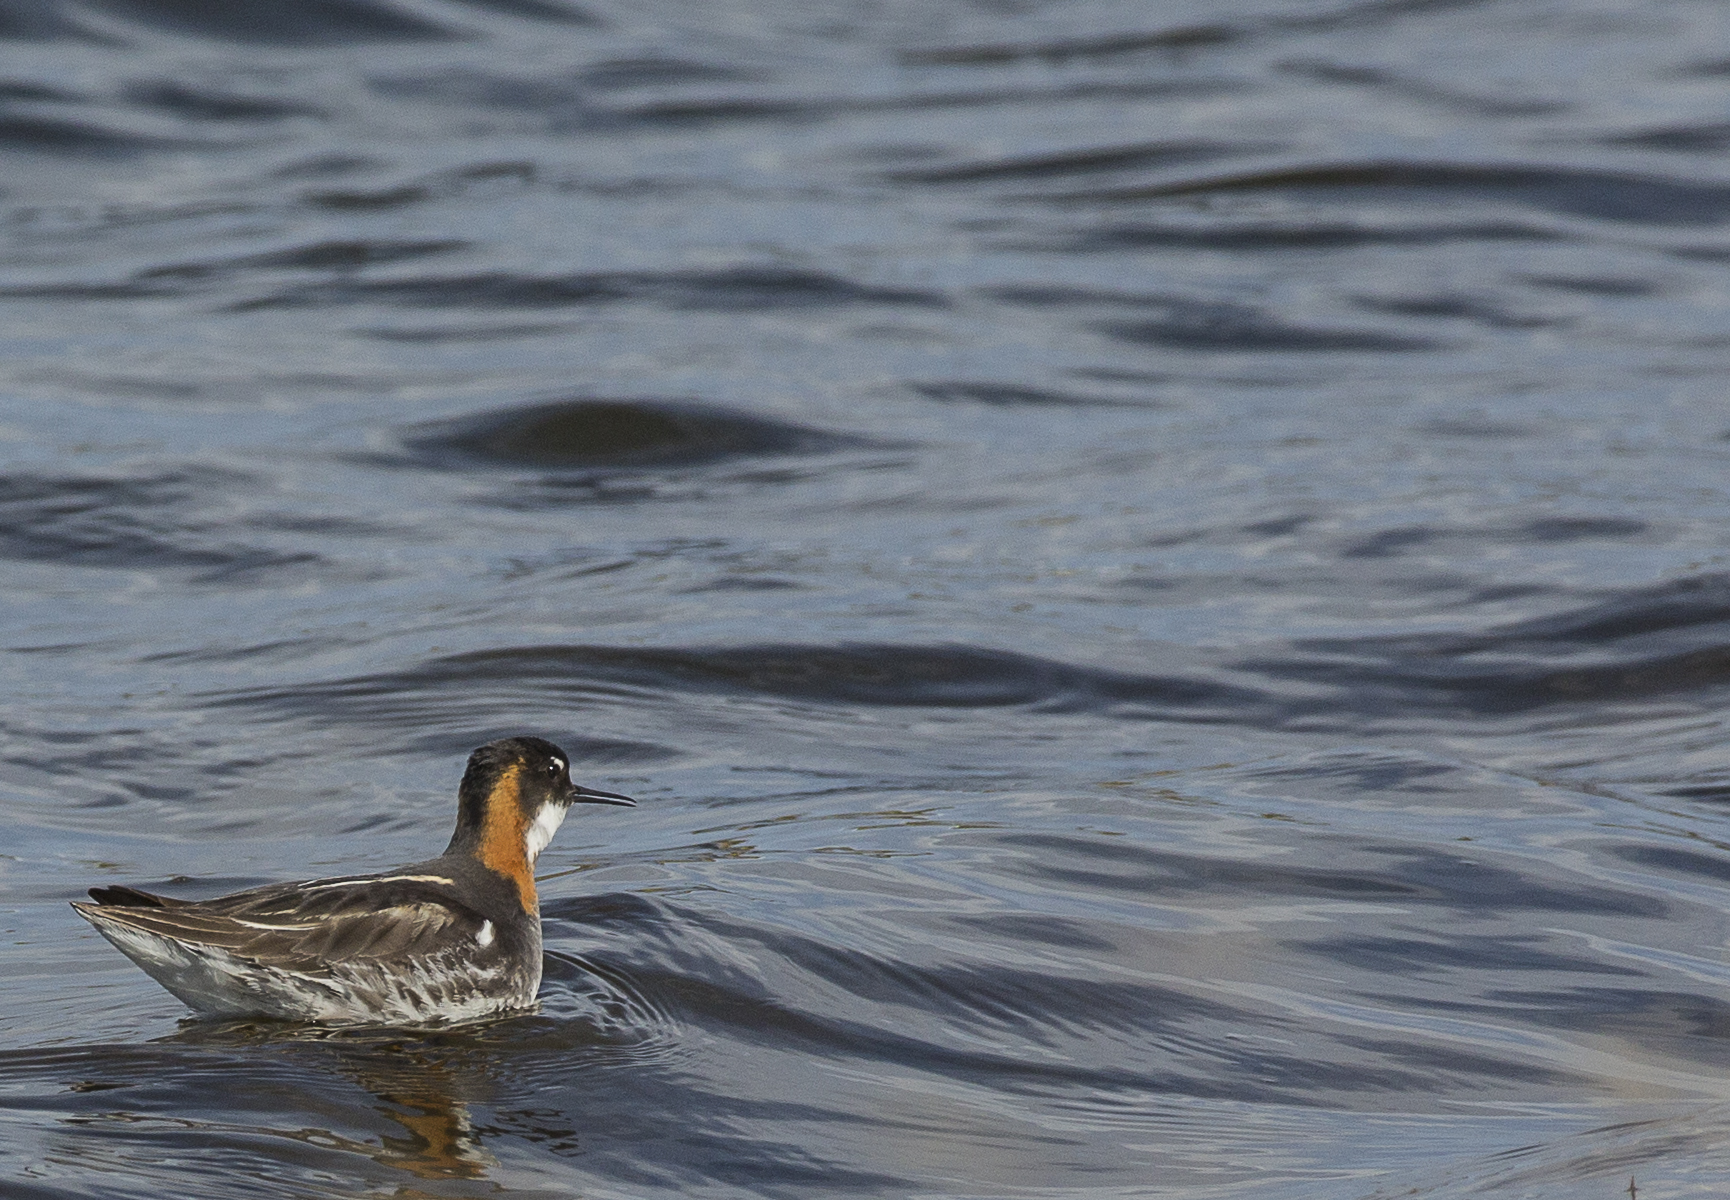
(1159, 570)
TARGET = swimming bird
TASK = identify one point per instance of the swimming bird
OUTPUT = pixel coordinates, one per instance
(454, 938)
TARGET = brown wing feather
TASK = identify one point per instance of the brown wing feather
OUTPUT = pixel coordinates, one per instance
(309, 930)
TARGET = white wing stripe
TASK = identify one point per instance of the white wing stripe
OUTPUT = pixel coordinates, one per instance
(313, 887)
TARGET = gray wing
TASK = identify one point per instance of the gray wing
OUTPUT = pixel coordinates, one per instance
(311, 928)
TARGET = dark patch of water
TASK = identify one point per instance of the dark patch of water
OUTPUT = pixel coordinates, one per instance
(639, 434)
(741, 288)
(1603, 195)
(277, 22)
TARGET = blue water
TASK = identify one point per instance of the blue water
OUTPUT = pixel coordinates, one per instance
(1159, 571)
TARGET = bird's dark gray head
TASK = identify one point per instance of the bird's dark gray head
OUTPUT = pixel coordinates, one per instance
(526, 771)
(513, 797)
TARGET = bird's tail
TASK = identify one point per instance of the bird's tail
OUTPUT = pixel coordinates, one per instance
(128, 897)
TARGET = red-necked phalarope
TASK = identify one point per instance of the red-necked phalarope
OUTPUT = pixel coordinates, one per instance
(451, 939)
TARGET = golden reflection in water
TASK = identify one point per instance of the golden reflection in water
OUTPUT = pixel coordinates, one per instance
(422, 1087)
(419, 1093)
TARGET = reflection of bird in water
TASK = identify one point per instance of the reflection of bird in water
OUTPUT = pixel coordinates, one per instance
(418, 1094)
(424, 1088)
(454, 938)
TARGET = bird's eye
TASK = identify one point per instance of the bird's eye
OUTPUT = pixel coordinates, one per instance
(554, 767)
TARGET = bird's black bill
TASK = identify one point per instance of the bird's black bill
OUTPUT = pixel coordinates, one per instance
(583, 795)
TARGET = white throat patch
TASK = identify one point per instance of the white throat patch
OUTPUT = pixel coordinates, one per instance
(546, 823)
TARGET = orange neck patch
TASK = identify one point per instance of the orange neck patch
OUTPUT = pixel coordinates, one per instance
(504, 837)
